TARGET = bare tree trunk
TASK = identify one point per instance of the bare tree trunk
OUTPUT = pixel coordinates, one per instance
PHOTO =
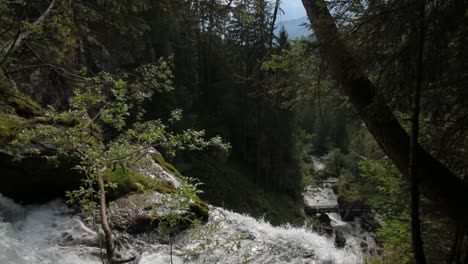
(437, 182)
(273, 22)
(110, 247)
(416, 237)
(104, 221)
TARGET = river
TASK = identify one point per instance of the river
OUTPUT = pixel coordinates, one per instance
(350, 234)
(54, 233)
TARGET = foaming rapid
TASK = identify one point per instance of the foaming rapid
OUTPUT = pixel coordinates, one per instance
(29, 234)
(53, 233)
(264, 243)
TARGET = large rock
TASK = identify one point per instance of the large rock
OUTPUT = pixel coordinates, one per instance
(34, 179)
(340, 239)
(325, 224)
(143, 212)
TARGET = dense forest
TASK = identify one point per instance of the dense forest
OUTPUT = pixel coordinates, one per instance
(150, 116)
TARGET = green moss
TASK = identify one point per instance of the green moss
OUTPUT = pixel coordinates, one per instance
(166, 165)
(200, 209)
(127, 181)
(14, 109)
(131, 181)
(163, 187)
(10, 126)
(70, 120)
(23, 105)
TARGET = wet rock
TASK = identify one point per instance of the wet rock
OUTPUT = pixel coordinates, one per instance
(79, 234)
(363, 244)
(340, 239)
(327, 230)
(325, 226)
(134, 213)
(69, 239)
(324, 220)
(142, 213)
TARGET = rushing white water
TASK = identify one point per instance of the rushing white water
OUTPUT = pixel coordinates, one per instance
(323, 195)
(319, 162)
(320, 196)
(52, 233)
(263, 243)
(29, 234)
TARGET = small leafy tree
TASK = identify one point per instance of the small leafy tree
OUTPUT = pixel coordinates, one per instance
(208, 240)
(176, 204)
(105, 103)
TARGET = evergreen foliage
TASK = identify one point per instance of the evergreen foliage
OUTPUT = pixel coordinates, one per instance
(96, 82)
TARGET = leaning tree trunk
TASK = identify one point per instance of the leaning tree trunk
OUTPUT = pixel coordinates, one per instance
(416, 236)
(436, 181)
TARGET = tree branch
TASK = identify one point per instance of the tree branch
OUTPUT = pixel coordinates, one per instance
(13, 45)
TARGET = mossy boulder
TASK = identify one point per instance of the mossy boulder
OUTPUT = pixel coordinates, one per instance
(144, 212)
(141, 198)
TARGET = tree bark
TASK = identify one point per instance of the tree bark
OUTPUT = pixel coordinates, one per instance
(104, 221)
(436, 181)
(273, 22)
(416, 237)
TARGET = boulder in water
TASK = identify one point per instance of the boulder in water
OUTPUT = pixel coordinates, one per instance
(364, 246)
(324, 220)
(142, 213)
(340, 239)
(325, 224)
